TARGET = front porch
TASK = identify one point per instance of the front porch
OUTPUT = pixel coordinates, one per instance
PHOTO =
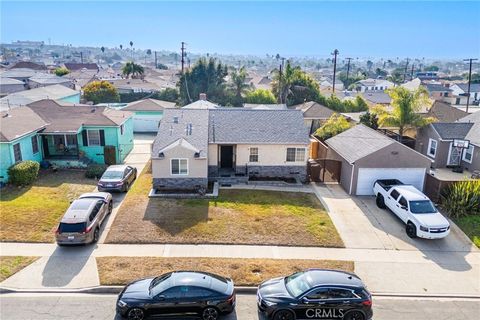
(60, 147)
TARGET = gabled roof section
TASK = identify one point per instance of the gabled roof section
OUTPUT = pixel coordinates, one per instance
(314, 110)
(149, 105)
(474, 134)
(239, 125)
(48, 78)
(19, 122)
(29, 65)
(450, 131)
(179, 143)
(174, 126)
(201, 104)
(444, 112)
(73, 66)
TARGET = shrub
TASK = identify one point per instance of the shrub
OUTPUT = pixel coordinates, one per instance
(61, 71)
(101, 92)
(23, 173)
(95, 170)
(335, 125)
(462, 198)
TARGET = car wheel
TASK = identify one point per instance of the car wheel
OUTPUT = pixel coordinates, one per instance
(110, 207)
(210, 314)
(354, 315)
(127, 187)
(135, 314)
(381, 201)
(411, 230)
(96, 235)
(284, 315)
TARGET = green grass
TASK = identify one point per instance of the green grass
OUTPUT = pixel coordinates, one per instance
(11, 265)
(32, 213)
(471, 226)
(235, 217)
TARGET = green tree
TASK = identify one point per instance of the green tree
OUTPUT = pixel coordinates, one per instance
(380, 72)
(369, 65)
(206, 76)
(431, 68)
(101, 92)
(260, 96)
(369, 119)
(475, 77)
(61, 71)
(167, 94)
(406, 105)
(396, 76)
(132, 69)
(238, 85)
(335, 124)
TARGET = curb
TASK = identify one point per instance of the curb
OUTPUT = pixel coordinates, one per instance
(239, 290)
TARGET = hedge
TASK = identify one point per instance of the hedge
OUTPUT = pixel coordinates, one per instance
(95, 170)
(23, 173)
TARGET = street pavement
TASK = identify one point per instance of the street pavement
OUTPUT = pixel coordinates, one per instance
(102, 307)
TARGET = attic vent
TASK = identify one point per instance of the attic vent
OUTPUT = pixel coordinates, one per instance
(161, 155)
(175, 119)
(197, 155)
(188, 129)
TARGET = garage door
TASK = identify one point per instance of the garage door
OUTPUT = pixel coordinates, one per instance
(367, 177)
(146, 123)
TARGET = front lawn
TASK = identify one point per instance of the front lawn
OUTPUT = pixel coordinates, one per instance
(471, 226)
(11, 265)
(31, 214)
(243, 272)
(235, 217)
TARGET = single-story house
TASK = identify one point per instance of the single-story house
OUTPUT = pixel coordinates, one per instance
(374, 85)
(66, 135)
(201, 104)
(374, 98)
(194, 146)
(22, 74)
(74, 66)
(10, 85)
(48, 79)
(367, 155)
(314, 114)
(147, 114)
(460, 90)
(437, 142)
(54, 92)
(264, 106)
(29, 65)
(439, 91)
(444, 112)
(134, 85)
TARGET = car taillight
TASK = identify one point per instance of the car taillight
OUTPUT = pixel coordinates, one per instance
(57, 231)
(231, 298)
(87, 230)
(367, 303)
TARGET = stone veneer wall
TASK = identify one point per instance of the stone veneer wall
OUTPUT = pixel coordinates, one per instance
(179, 183)
(299, 172)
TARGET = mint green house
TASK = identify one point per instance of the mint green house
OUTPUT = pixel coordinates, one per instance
(147, 113)
(64, 135)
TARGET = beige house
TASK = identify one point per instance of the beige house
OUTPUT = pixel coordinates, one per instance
(229, 145)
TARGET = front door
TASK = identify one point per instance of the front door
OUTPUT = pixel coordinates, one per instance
(226, 157)
(454, 156)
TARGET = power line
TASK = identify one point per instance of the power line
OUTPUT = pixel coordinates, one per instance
(469, 80)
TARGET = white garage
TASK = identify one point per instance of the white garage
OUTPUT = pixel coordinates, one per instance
(368, 176)
(147, 114)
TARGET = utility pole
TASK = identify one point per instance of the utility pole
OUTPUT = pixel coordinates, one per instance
(411, 75)
(348, 72)
(81, 56)
(156, 64)
(469, 80)
(405, 72)
(335, 53)
(183, 56)
(280, 72)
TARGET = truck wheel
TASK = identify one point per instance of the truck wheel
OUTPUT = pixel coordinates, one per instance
(381, 202)
(411, 230)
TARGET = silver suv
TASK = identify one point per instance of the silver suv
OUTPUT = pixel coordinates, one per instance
(81, 223)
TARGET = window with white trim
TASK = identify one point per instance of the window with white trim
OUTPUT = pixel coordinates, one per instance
(253, 155)
(468, 154)
(179, 166)
(295, 154)
(34, 144)
(93, 137)
(17, 152)
(432, 148)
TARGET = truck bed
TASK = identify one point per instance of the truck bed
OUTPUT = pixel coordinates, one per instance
(388, 183)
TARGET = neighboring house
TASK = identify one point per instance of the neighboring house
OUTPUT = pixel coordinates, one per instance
(54, 92)
(436, 141)
(81, 78)
(29, 65)
(259, 81)
(74, 66)
(439, 92)
(9, 85)
(427, 75)
(47, 79)
(261, 106)
(202, 103)
(412, 85)
(21, 74)
(367, 155)
(326, 83)
(460, 90)
(134, 85)
(444, 112)
(374, 85)
(194, 146)
(376, 97)
(314, 114)
(68, 136)
(147, 114)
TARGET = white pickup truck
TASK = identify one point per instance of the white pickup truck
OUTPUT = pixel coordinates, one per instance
(415, 209)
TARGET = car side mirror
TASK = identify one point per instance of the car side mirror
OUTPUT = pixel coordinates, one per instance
(305, 300)
(161, 297)
(404, 208)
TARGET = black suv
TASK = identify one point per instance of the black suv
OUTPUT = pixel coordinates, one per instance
(315, 294)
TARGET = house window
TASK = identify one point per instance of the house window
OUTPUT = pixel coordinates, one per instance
(93, 137)
(432, 148)
(253, 155)
(179, 166)
(468, 154)
(121, 130)
(17, 153)
(295, 154)
(35, 144)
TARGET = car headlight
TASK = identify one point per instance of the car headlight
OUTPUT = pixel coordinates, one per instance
(422, 228)
(269, 303)
(121, 303)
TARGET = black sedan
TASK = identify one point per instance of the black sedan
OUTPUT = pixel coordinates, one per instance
(117, 178)
(178, 295)
(315, 294)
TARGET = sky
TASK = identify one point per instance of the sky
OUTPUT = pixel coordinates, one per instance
(388, 29)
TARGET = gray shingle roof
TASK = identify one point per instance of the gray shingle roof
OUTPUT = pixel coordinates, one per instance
(377, 97)
(149, 105)
(444, 112)
(448, 131)
(474, 133)
(169, 131)
(19, 122)
(48, 79)
(314, 110)
(474, 87)
(232, 125)
(358, 142)
(433, 87)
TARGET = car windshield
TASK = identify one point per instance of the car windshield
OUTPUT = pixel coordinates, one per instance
(422, 206)
(112, 174)
(72, 227)
(82, 204)
(297, 284)
(159, 285)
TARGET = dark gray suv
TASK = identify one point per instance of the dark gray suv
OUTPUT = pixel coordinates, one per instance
(117, 178)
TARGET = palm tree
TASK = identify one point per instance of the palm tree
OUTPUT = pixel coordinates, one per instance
(406, 105)
(283, 82)
(121, 46)
(149, 53)
(131, 46)
(133, 70)
(238, 84)
(103, 53)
